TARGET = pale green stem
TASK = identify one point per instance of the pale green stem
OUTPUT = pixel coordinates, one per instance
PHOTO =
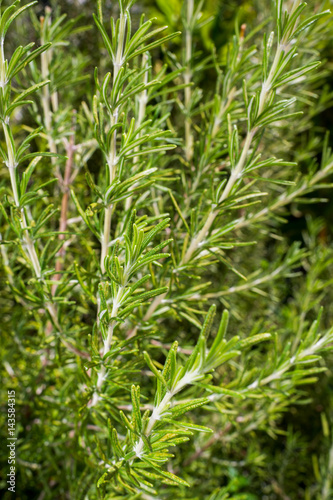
(188, 129)
(28, 244)
(247, 286)
(327, 487)
(6, 264)
(235, 175)
(238, 170)
(3, 76)
(111, 160)
(106, 236)
(301, 322)
(158, 411)
(276, 375)
(222, 111)
(106, 348)
(46, 98)
(215, 130)
(142, 112)
(152, 421)
(310, 351)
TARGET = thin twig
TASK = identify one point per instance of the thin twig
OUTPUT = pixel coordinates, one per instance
(64, 202)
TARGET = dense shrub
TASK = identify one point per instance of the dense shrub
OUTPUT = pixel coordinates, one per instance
(166, 252)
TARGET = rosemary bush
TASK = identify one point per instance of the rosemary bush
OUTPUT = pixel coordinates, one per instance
(160, 329)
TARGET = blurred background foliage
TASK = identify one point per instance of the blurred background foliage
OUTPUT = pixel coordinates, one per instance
(295, 460)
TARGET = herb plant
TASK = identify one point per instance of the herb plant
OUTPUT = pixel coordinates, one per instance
(150, 297)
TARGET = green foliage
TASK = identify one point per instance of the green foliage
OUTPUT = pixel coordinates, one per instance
(146, 185)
